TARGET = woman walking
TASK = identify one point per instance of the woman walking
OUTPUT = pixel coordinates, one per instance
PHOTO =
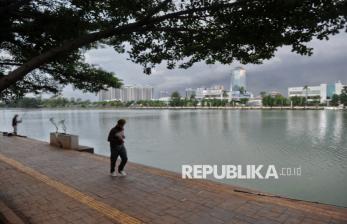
(116, 138)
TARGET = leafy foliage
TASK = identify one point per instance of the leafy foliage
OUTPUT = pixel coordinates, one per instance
(343, 96)
(42, 42)
(277, 100)
(151, 103)
(176, 99)
(335, 100)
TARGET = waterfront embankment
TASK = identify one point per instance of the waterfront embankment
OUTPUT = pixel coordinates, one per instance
(180, 108)
(231, 108)
(43, 184)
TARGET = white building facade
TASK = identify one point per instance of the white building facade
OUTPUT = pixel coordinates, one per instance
(127, 93)
(214, 92)
(323, 92)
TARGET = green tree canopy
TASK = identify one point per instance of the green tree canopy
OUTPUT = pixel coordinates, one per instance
(175, 95)
(335, 100)
(242, 90)
(343, 96)
(42, 42)
(176, 99)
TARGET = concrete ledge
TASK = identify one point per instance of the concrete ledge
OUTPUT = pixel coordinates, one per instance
(7, 216)
(82, 148)
(65, 141)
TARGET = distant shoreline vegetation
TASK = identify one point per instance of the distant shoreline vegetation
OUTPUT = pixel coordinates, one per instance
(268, 101)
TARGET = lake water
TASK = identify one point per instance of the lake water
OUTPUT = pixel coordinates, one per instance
(313, 140)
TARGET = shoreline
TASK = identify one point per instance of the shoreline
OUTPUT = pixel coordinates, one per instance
(301, 108)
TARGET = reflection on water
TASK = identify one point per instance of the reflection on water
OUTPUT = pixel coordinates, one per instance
(312, 140)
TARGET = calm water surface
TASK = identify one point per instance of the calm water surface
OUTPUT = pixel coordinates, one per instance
(313, 140)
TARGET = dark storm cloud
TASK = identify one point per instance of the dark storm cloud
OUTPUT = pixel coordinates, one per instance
(327, 65)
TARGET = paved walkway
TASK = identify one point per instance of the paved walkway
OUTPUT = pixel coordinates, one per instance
(43, 184)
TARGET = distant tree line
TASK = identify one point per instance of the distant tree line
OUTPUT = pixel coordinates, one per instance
(54, 102)
(177, 101)
(62, 102)
(336, 100)
(279, 100)
(150, 103)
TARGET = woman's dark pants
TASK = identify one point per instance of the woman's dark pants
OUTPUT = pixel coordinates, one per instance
(116, 151)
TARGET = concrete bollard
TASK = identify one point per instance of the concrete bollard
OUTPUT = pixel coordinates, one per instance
(65, 141)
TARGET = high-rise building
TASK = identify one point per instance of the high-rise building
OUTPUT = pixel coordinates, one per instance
(127, 93)
(238, 88)
(238, 79)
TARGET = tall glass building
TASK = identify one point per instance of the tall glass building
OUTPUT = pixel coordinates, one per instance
(238, 79)
(330, 90)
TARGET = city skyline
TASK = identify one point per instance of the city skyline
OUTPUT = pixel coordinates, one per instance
(127, 93)
(286, 69)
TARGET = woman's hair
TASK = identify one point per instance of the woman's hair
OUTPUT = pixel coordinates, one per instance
(121, 122)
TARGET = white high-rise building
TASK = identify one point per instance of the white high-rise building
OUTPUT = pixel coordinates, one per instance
(127, 93)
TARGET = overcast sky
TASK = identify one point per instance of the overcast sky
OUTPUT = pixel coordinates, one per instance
(328, 64)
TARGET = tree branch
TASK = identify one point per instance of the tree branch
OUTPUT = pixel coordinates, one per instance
(190, 11)
(179, 29)
(11, 63)
(68, 46)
